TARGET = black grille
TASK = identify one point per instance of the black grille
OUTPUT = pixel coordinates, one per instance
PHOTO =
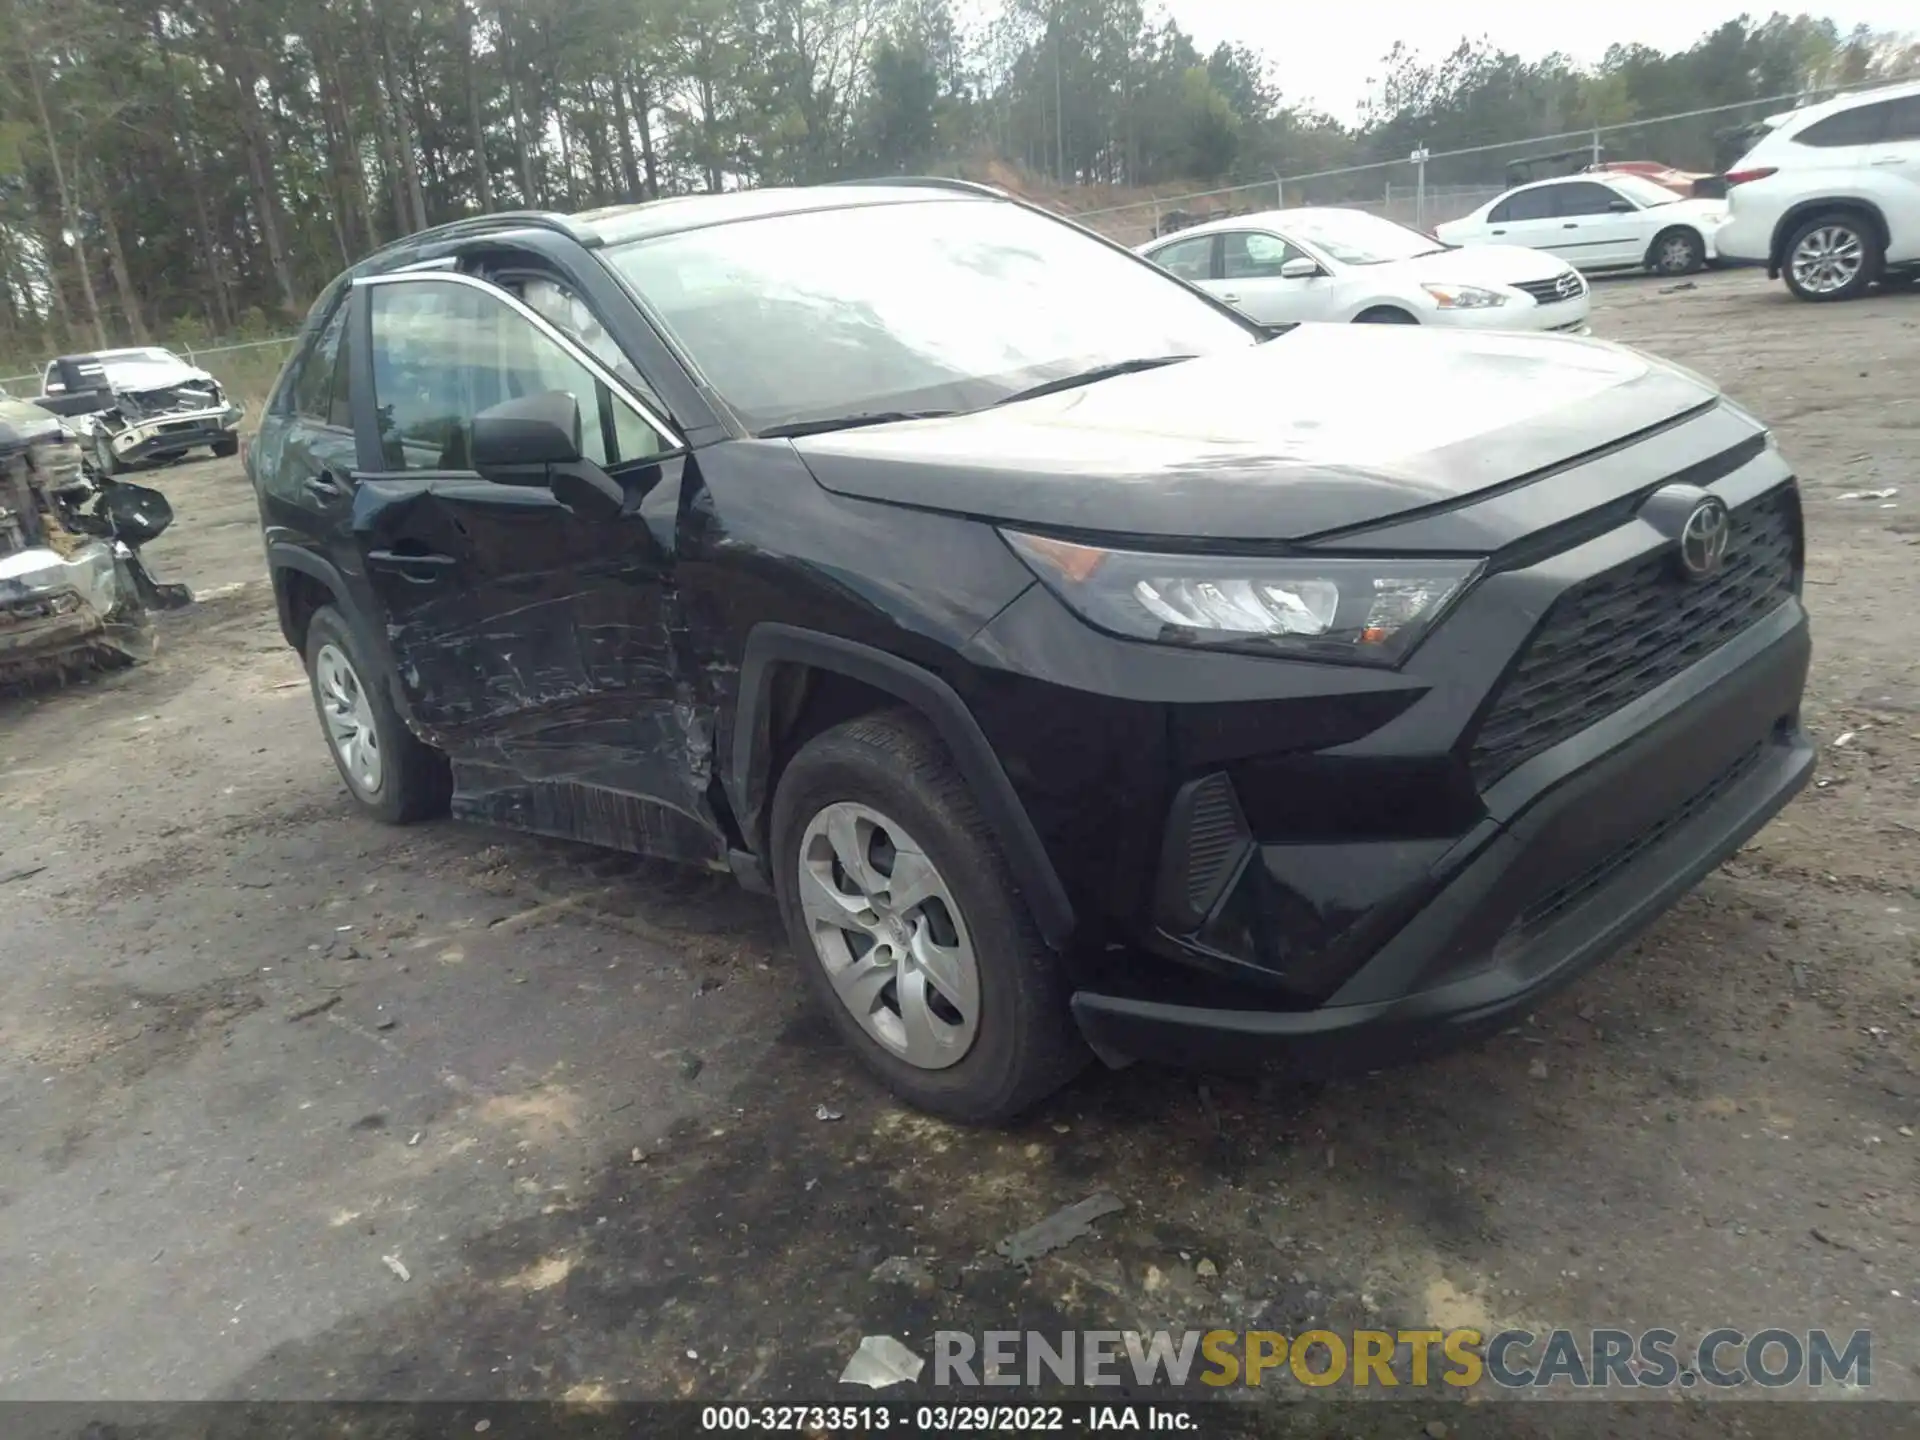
(1614, 637)
(1550, 907)
(1213, 838)
(1548, 292)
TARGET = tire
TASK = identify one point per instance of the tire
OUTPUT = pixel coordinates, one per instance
(1384, 315)
(398, 780)
(861, 787)
(227, 448)
(1678, 251)
(1833, 256)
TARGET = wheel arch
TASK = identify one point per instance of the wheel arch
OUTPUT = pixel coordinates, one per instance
(1799, 213)
(1385, 312)
(777, 656)
(1681, 227)
(302, 583)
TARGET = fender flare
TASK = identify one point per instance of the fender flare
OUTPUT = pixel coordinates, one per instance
(282, 557)
(771, 645)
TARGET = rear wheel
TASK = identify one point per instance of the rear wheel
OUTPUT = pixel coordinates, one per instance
(1676, 252)
(226, 447)
(1384, 315)
(388, 770)
(908, 923)
(1834, 256)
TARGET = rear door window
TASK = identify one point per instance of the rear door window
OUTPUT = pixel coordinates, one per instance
(1858, 126)
(313, 387)
(1524, 205)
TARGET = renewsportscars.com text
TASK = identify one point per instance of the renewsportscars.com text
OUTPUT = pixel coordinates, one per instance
(1726, 1358)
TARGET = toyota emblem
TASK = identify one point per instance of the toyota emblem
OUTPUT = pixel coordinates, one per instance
(1703, 540)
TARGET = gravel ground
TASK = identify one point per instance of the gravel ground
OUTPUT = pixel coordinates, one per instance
(258, 1056)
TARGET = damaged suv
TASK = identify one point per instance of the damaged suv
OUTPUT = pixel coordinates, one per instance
(139, 407)
(1086, 670)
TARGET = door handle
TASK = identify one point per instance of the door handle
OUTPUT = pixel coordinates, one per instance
(1499, 232)
(1231, 299)
(1888, 160)
(324, 488)
(420, 569)
(1571, 225)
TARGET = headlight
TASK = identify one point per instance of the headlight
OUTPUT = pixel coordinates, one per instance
(1361, 612)
(1464, 297)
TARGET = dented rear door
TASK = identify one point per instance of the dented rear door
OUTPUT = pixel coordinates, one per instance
(538, 648)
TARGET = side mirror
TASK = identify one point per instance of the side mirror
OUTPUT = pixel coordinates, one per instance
(1299, 268)
(535, 440)
(1619, 206)
(514, 441)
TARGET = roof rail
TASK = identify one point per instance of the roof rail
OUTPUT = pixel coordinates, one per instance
(926, 182)
(484, 224)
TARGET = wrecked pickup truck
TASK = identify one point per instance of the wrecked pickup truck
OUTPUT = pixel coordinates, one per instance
(74, 593)
(138, 407)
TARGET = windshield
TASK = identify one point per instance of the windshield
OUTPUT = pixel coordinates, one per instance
(1642, 191)
(1353, 237)
(933, 305)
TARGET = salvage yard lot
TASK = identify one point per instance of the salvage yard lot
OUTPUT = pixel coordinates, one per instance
(259, 1056)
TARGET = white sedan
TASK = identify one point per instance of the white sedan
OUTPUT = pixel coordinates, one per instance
(1286, 266)
(1602, 221)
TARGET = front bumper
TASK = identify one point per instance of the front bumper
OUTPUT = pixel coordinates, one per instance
(1656, 799)
(165, 434)
(1561, 317)
(1653, 798)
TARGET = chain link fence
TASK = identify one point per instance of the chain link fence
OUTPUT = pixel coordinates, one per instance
(1429, 188)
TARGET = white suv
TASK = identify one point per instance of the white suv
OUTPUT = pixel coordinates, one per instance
(1830, 197)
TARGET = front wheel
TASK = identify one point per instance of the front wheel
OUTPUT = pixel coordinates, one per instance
(226, 447)
(1832, 257)
(908, 922)
(392, 775)
(1677, 252)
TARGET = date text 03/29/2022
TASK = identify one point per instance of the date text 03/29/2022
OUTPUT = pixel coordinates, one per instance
(948, 1419)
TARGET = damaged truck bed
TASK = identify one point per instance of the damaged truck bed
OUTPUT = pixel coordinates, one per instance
(74, 595)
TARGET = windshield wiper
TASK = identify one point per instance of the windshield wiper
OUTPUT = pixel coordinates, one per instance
(1088, 377)
(848, 422)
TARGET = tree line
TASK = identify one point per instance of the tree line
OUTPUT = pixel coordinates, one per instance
(189, 169)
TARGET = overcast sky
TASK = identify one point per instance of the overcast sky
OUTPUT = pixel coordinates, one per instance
(1323, 54)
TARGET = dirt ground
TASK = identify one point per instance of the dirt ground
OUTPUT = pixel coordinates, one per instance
(252, 1046)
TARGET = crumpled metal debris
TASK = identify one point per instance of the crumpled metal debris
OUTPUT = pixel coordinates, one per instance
(1059, 1229)
(881, 1361)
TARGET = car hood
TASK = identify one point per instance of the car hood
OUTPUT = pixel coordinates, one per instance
(1475, 265)
(1324, 428)
(141, 376)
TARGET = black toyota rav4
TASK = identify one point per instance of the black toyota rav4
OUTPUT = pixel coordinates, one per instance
(1085, 669)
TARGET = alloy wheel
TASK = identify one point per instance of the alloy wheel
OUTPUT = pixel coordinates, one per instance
(1827, 259)
(348, 714)
(889, 934)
